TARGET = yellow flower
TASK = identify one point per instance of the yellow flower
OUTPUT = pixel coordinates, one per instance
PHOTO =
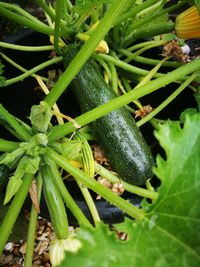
(187, 25)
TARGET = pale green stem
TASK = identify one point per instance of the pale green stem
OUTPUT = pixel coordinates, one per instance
(19, 67)
(90, 203)
(128, 187)
(58, 7)
(33, 70)
(167, 101)
(26, 48)
(32, 227)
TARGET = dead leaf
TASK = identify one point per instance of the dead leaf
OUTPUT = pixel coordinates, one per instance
(34, 195)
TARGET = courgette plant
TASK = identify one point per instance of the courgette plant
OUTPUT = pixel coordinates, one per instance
(109, 33)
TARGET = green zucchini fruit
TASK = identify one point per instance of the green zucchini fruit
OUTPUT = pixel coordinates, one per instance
(4, 174)
(55, 204)
(116, 132)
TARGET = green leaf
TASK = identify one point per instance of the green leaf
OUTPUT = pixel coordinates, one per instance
(170, 233)
(88, 6)
(12, 188)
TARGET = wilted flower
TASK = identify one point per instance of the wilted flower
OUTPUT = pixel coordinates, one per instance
(187, 25)
(59, 247)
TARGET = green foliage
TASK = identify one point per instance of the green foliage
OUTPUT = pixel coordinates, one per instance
(170, 233)
(2, 79)
(81, 7)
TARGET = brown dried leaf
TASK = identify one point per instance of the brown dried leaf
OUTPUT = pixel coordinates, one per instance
(99, 154)
(34, 196)
(143, 112)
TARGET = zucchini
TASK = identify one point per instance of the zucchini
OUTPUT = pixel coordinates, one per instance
(116, 132)
(55, 204)
(4, 174)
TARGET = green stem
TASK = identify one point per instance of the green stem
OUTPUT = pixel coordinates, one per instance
(60, 131)
(8, 146)
(20, 11)
(50, 12)
(105, 66)
(168, 100)
(124, 65)
(114, 78)
(32, 227)
(58, 8)
(70, 203)
(92, 184)
(149, 31)
(33, 70)
(38, 26)
(19, 67)
(26, 48)
(13, 123)
(90, 203)
(103, 27)
(14, 210)
(133, 12)
(149, 61)
(139, 45)
(128, 187)
(131, 56)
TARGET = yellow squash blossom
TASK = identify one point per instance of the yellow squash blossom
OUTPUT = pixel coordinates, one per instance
(187, 25)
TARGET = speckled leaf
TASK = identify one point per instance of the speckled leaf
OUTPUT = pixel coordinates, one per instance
(170, 233)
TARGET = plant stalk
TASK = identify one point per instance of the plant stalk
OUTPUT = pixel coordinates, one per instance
(32, 227)
(92, 184)
(8, 146)
(167, 101)
(128, 187)
(33, 70)
(14, 210)
(13, 123)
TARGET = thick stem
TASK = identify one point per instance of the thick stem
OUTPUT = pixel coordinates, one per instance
(58, 8)
(62, 130)
(13, 123)
(38, 26)
(103, 27)
(92, 184)
(8, 146)
(14, 210)
(32, 227)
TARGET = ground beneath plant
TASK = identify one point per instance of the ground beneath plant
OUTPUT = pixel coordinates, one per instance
(14, 253)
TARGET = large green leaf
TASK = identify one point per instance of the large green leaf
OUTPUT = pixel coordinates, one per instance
(170, 233)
